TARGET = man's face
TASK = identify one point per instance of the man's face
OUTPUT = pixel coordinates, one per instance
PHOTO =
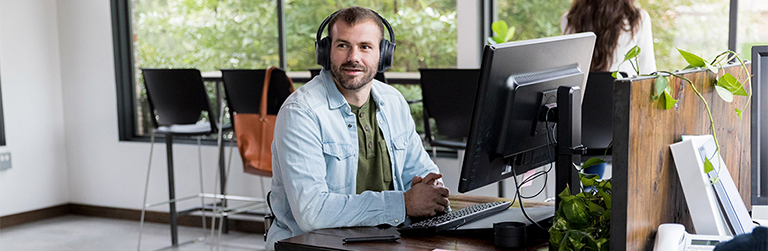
(354, 53)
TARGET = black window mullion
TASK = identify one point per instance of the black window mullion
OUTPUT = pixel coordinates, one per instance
(733, 20)
(123, 52)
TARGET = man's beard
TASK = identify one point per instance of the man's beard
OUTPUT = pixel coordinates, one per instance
(352, 83)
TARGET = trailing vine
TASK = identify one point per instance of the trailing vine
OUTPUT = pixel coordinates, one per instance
(726, 85)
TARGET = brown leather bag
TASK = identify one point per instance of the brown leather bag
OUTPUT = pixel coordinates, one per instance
(254, 134)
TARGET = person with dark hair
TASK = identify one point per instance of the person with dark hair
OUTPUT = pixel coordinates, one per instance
(619, 26)
(345, 150)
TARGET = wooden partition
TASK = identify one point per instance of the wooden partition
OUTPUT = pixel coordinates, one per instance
(646, 187)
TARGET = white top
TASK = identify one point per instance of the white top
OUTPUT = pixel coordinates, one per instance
(643, 38)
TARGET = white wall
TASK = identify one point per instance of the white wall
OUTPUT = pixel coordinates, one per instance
(103, 170)
(32, 101)
(59, 97)
(468, 29)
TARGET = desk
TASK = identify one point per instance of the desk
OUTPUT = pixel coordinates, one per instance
(331, 239)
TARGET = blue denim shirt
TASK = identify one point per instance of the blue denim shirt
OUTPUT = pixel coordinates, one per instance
(314, 161)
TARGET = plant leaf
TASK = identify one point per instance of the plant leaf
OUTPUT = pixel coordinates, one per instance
(661, 84)
(595, 207)
(606, 198)
(617, 75)
(500, 28)
(724, 94)
(632, 53)
(510, 34)
(575, 212)
(588, 179)
(592, 161)
(491, 40)
(738, 112)
(498, 39)
(601, 243)
(732, 84)
(712, 68)
(565, 195)
(692, 59)
(669, 101)
(708, 166)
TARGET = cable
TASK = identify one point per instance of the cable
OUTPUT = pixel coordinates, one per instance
(549, 154)
(522, 208)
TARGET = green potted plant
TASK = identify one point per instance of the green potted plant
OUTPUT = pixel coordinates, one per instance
(582, 221)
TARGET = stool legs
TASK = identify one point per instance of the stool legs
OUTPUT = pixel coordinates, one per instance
(172, 191)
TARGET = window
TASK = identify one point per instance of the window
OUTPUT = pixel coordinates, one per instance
(753, 18)
(206, 35)
(212, 35)
(425, 31)
(216, 34)
(700, 27)
(532, 18)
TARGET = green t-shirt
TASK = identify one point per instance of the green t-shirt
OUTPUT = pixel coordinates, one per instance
(374, 171)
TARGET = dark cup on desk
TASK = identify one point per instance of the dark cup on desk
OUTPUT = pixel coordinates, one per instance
(510, 234)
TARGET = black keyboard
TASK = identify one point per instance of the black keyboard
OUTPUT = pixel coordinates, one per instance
(454, 219)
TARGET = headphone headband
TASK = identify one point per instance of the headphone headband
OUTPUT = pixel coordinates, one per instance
(328, 20)
(386, 48)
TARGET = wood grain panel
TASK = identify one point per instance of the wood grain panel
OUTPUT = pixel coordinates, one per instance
(646, 188)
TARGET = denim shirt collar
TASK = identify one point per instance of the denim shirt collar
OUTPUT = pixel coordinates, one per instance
(336, 100)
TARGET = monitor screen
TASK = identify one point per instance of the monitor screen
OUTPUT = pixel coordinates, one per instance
(518, 81)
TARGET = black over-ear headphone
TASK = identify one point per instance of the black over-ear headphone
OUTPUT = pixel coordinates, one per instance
(323, 46)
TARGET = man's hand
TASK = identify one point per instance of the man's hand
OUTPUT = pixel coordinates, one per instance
(426, 197)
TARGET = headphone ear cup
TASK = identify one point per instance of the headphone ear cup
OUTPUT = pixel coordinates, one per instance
(323, 52)
(387, 52)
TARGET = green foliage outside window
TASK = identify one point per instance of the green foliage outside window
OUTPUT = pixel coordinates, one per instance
(218, 34)
(425, 31)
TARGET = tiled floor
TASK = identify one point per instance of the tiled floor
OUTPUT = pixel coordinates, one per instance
(90, 233)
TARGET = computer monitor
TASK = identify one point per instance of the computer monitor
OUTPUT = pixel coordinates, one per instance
(518, 81)
(759, 125)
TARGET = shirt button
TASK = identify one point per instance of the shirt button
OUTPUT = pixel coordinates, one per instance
(349, 125)
(362, 114)
(396, 220)
(367, 128)
(370, 145)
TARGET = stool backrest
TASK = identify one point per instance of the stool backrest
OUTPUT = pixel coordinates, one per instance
(597, 111)
(448, 96)
(243, 88)
(176, 96)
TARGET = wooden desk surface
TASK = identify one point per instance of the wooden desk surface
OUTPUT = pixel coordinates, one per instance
(331, 239)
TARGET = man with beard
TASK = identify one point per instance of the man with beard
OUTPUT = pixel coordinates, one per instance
(345, 150)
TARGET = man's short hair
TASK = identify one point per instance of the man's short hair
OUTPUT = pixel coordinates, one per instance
(354, 15)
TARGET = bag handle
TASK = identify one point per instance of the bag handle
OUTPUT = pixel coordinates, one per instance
(265, 92)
